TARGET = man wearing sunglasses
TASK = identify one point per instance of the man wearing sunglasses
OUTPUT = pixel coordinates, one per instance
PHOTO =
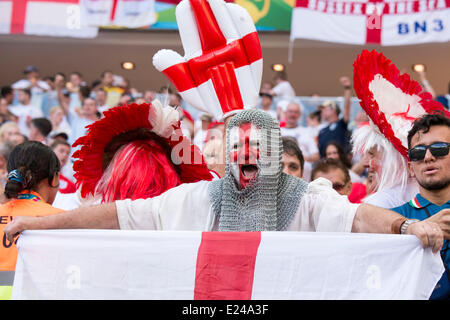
(429, 143)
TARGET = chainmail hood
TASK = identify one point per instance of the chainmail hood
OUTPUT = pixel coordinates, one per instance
(271, 199)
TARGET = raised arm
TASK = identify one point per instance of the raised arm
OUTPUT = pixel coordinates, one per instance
(102, 216)
(347, 85)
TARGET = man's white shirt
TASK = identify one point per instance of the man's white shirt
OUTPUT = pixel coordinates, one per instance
(187, 207)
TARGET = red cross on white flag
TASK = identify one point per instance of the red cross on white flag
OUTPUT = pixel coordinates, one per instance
(222, 67)
(43, 17)
(383, 22)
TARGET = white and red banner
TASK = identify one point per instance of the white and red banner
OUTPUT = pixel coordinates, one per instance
(382, 22)
(59, 18)
(119, 264)
(123, 13)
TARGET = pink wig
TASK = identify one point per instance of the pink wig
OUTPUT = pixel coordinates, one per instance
(135, 172)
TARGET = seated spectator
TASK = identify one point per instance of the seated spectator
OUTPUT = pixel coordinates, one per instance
(31, 81)
(39, 130)
(78, 120)
(7, 93)
(100, 98)
(114, 92)
(25, 111)
(337, 127)
(338, 174)
(149, 96)
(266, 104)
(314, 124)
(62, 151)
(59, 121)
(282, 89)
(334, 150)
(292, 158)
(9, 132)
(5, 151)
(5, 114)
(304, 139)
(266, 87)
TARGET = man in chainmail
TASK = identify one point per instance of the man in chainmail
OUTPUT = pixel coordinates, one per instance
(254, 195)
(270, 199)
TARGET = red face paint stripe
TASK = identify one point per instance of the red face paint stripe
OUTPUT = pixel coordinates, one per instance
(191, 74)
(226, 265)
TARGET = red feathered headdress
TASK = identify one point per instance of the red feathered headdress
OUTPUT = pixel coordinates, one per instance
(124, 124)
(391, 100)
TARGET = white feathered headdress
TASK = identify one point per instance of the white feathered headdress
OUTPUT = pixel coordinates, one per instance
(392, 101)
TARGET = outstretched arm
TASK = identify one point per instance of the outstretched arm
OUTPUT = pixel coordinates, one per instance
(371, 219)
(102, 216)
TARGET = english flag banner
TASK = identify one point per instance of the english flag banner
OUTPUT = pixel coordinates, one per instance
(381, 22)
(122, 13)
(60, 18)
(191, 265)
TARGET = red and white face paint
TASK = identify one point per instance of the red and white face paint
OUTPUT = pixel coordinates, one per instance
(244, 153)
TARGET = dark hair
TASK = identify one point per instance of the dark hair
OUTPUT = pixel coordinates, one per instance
(34, 162)
(427, 121)
(6, 90)
(78, 74)
(342, 156)
(43, 125)
(57, 142)
(315, 114)
(290, 146)
(26, 91)
(327, 164)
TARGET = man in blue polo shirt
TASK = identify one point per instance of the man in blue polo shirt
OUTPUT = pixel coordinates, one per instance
(336, 130)
(429, 143)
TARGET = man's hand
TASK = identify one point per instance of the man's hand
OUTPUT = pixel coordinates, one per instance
(442, 218)
(429, 234)
(19, 224)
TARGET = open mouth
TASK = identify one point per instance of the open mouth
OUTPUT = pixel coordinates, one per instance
(249, 171)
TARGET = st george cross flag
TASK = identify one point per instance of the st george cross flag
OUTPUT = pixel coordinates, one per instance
(186, 265)
(60, 18)
(382, 22)
(123, 13)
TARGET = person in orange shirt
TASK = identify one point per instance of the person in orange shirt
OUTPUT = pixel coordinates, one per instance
(33, 181)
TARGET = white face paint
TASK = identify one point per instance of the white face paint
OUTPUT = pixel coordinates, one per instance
(244, 153)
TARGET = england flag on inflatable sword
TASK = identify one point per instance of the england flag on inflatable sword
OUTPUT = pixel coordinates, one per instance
(221, 70)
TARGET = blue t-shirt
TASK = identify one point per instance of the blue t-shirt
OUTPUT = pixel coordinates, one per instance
(420, 208)
(338, 132)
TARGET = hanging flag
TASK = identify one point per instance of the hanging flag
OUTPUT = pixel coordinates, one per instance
(382, 22)
(60, 18)
(121, 13)
(185, 265)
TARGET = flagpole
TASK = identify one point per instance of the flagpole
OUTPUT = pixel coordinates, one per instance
(290, 50)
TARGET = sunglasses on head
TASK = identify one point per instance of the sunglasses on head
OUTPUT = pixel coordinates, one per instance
(437, 149)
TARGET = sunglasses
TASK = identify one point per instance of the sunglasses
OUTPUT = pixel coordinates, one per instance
(437, 149)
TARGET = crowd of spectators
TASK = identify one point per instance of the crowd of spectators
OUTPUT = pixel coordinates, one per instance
(56, 109)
